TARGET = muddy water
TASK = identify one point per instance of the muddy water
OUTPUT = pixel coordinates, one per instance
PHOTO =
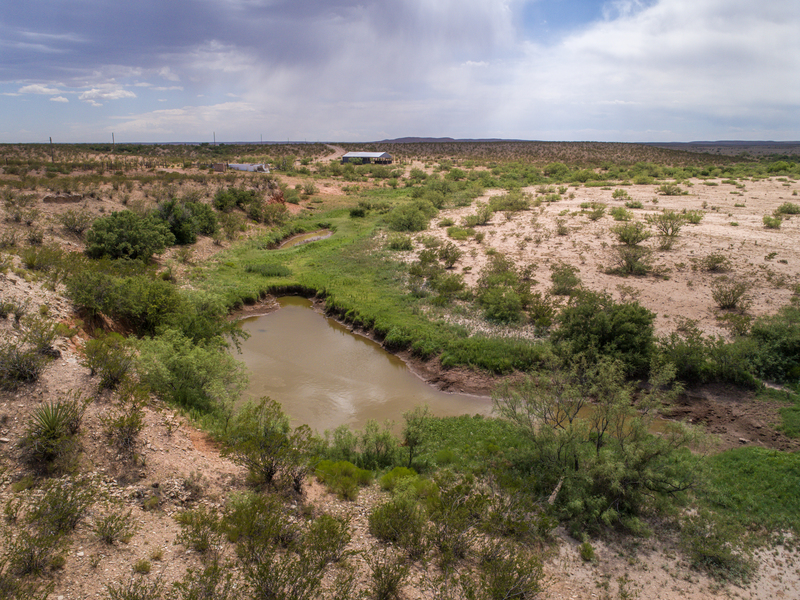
(305, 238)
(325, 376)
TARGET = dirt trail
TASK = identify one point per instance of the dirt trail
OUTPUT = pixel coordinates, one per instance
(338, 151)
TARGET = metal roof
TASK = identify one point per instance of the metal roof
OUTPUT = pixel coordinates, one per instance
(367, 155)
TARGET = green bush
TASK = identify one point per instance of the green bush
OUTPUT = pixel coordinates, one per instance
(252, 521)
(391, 479)
(200, 375)
(400, 242)
(411, 216)
(187, 219)
(631, 234)
(114, 527)
(125, 234)
(64, 504)
(788, 208)
(200, 529)
(716, 547)
(401, 521)
(109, 357)
(19, 366)
(565, 279)
(730, 294)
(620, 214)
(343, 478)
(596, 326)
(261, 440)
(772, 222)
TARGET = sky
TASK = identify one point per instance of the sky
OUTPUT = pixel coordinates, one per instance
(364, 70)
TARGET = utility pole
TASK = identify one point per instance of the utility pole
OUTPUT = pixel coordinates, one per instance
(113, 143)
(52, 155)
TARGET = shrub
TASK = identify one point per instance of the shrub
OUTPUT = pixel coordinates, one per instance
(391, 479)
(327, 538)
(449, 254)
(343, 478)
(788, 208)
(261, 440)
(125, 234)
(715, 262)
(597, 326)
(76, 221)
(509, 573)
(109, 357)
(693, 217)
(18, 366)
(412, 216)
(670, 189)
(122, 427)
(64, 504)
(200, 375)
(631, 234)
(187, 219)
(620, 194)
(730, 294)
(49, 439)
(388, 575)
(620, 214)
(668, 223)
(632, 260)
(634, 204)
(715, 546)
(200, 529)
(565, 279)
(400, 242)
(253, 521)
(114, 527)
(136, 588)
(772, 222)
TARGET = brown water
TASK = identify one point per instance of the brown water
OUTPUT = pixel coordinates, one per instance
(305, 238)
(326, 376)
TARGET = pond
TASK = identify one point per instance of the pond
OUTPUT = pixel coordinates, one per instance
(325, 376)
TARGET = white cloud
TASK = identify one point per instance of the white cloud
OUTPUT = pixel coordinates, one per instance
(106, 93)
(58, 99)
(166, 73)
(37, 88)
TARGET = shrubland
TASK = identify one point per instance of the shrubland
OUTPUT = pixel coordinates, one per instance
(469, 501)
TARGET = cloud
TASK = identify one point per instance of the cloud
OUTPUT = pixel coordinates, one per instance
(107, 93)
(58, 99)
(38, 88)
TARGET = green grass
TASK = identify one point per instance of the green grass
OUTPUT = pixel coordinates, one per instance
(471, 443)
(362, 282)
(790, 415)
(755, 487)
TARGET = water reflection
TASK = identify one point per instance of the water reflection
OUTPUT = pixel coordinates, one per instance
(325, 376)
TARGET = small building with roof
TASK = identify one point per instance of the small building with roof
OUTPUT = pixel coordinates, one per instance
(380, 158)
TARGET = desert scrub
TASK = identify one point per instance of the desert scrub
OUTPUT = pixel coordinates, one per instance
(402, 522)
(620, 214)
(343, 478)
(565, 279)
(50, 443)
(668, 224)
(714, 263)
(399, 241)
(114, 527)
(730, 294)
(772, 222)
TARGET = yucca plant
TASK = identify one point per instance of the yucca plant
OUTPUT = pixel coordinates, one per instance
(51, 431)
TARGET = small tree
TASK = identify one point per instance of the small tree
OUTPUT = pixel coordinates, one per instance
(415, 430)
(262, 440)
